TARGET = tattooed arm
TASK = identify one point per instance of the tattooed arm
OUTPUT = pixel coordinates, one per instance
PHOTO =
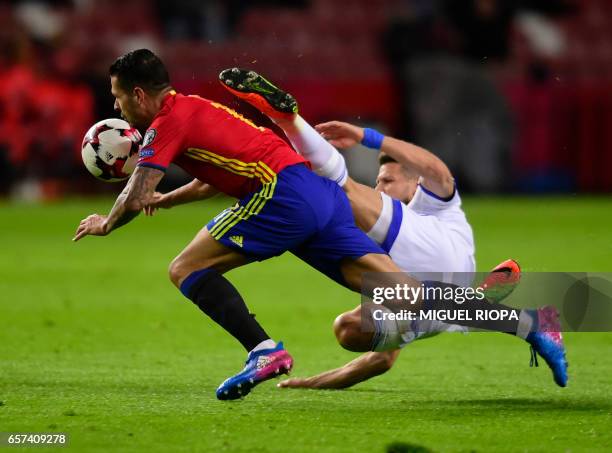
(136, 195)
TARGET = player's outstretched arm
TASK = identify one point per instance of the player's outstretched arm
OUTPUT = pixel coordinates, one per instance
(134, 197)
(193, 191)
(364, 367)
(435, 175)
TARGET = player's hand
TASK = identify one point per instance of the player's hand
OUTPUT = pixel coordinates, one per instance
(94, 225)
(157, 201)
(341, 135)
(297, 383)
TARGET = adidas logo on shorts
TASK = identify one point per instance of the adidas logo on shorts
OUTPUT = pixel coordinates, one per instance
(236, 240)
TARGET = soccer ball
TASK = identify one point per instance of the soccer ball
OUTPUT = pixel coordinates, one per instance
(110, 149)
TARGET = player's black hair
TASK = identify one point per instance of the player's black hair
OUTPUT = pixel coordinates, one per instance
(140, 68)
(385, 159)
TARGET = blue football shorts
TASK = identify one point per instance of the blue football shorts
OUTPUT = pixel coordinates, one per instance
(296, 211)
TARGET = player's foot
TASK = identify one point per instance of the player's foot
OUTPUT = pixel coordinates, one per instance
(501, 281)
(260, 366)
(547, 341)
(260, 93)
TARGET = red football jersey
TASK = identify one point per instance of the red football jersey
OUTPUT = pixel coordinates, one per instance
(214, 144)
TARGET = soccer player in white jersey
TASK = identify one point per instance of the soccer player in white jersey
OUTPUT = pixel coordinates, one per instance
(417, 219)
(414, 213)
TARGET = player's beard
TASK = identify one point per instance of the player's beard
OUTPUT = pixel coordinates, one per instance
(132, 114)
(136, 122)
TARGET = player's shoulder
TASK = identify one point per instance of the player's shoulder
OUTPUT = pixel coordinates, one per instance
(176, 103)
(426, 202)
(181, 104)
(194, 100)
(175, 108)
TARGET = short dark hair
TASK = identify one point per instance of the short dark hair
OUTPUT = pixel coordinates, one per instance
(140, 68)
(385, 159)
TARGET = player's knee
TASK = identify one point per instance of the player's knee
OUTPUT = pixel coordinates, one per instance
(342, 329)
(177, 271)
(348, 333)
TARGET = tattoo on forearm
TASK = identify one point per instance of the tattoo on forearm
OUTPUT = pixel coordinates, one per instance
(143, 184)
(125, 217)
(134, 197)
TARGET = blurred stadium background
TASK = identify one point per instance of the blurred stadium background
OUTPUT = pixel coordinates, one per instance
(514, 94)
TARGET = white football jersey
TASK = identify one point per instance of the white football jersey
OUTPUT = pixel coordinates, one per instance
(429, 238)
(428, 235)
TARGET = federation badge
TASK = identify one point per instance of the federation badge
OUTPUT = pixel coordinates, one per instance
(149, 137)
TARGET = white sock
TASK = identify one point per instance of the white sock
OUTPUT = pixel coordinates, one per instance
(426, 329)
(525, 324)
(266, 344)
(326, 160)
(393, 334)
(388, 332)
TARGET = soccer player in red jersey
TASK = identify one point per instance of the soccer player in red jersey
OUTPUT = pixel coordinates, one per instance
(225, 152)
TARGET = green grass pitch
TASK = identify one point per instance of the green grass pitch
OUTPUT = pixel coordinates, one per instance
(96, 342)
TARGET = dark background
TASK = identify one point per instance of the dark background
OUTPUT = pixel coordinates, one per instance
(515, 95)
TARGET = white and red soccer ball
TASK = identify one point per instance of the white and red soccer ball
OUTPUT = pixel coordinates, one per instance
(110, 149)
